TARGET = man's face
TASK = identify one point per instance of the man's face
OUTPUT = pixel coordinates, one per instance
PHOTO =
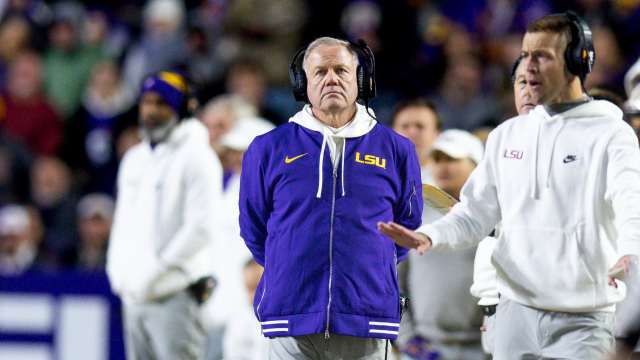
(419, 124)
(331, 78)
(449, 173)
(525, 98)
(544, 65)
(154, 112)
(219, 121)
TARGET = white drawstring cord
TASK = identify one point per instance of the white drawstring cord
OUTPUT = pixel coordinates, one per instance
(324, 143)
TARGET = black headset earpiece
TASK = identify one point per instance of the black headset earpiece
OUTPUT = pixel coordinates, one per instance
(365, 73)
(298, 77)
(580, 54)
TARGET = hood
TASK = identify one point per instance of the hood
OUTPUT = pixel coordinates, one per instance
(361, 124)
(589, 110)
(190, 129)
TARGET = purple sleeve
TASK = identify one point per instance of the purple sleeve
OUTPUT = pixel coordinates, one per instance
(408, 211)
(254, 203)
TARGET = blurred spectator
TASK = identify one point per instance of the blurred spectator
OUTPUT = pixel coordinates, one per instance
(162, 45)
(15, 162)
(257, 27)
(95, 215)
(632, 106)
(15, 37)
(91, 133)
(68, 61)
(18, 241)
(608, 69)
(461, 102)
(246, 79)
(205, 65)
(219, 115)
(228, 298)
(27, 115)
(244, 340)
(418, 120)
(443, 317)
(52, 195)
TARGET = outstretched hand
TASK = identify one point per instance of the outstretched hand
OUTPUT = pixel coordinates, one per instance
(621, 269)
(405, 237)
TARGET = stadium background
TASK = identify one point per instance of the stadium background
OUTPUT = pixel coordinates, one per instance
(69, 73)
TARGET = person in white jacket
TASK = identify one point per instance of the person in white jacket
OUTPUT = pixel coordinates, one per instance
(565, 182)
(485, 279)
(161, 246)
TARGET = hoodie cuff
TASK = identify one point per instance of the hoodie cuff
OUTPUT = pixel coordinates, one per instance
(433, 234)
(629, 247)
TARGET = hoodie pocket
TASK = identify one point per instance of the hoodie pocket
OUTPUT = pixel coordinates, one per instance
(546, 266)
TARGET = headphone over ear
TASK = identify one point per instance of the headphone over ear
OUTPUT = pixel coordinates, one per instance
(365, 73)
(580, 54)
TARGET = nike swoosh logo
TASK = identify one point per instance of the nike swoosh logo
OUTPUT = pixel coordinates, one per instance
(569, 158)
(288, 160)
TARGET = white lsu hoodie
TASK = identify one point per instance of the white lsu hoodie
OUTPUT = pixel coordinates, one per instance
(166, 215)
(567, 190)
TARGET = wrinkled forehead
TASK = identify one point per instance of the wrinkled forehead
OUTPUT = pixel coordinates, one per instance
(544, 41)
(330, 56)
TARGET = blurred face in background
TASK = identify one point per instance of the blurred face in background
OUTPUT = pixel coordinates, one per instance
(449, 173)
(94, 230)
(50, 181)
(219, 120)
(419, 124)
(154, 111)
(105, 79)
(331, 78)
(14, 37)
(62, 36)
(248, 82)
(543, 60)
(25, 76)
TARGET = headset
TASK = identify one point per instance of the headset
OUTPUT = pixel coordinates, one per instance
(580, 54)
(365, 73)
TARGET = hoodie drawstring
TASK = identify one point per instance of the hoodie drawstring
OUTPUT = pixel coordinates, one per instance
(344, 146)
(553, 146)
(324, 144)
(534, 164)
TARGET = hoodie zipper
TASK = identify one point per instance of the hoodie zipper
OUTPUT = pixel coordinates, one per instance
(333, 208)
(413, 195)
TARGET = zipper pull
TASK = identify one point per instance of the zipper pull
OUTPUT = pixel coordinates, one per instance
(326, 334)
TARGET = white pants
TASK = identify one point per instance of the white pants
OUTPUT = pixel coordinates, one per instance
(169, 329)
(522, 332)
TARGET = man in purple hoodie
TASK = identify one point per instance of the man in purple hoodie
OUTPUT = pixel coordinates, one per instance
(311, 193)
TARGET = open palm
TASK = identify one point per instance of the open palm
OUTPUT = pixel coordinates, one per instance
(405, 237)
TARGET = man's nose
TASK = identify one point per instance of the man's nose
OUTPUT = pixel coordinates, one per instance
(332, 78)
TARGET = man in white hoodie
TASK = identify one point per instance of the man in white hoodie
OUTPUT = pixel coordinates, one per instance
(565, 182)
(160, 250)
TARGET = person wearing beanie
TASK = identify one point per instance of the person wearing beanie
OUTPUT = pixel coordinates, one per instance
(167, 212)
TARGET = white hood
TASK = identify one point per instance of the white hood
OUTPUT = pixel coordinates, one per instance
(361, 124)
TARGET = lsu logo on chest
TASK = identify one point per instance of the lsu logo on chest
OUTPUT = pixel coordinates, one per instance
(371, 160)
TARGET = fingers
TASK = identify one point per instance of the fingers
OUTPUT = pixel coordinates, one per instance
(612, 282)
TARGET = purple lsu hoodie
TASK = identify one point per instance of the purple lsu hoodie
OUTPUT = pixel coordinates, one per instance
(327, 269)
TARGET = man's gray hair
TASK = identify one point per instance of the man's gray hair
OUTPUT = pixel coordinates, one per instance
(327, 41)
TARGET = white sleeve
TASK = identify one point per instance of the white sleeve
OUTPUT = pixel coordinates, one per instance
(485, 279)
(623, 189)
(201, 217)
(477, 213)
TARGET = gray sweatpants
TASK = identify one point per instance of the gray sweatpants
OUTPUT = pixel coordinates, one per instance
(316, 347)
(522, 332)
(170, 329)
